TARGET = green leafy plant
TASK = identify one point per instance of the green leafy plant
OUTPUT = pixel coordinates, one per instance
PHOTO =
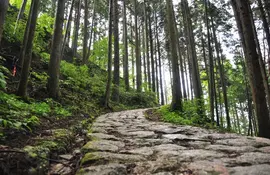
(189, 116)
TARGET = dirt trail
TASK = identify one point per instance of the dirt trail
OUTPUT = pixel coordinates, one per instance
(127, 143)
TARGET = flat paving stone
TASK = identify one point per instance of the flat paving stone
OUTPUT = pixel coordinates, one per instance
(126, 142)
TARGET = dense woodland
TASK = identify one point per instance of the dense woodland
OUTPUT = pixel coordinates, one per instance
(206, 62)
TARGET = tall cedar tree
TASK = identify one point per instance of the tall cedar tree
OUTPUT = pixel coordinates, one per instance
(68, 26)
(125, 53)
(32, 21)
(193, 58)
(211, 65)
(77, 27)
(116, 76)
(109, 80)
(244, 24)
(54, 64)
(3, 11)
(176, 104)
(147, 43)
(86, 34)
(137, 51)
(20, 14)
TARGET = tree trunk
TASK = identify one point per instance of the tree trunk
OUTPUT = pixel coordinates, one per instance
(22, 89)
(152, 55)
(76, 27)
(179, 49)
(211, 66)
(267, 9)
(160, 73)
(125, 53)
(176, 88)
(244, 24)
(3, 11)
(144, 58)
(86, 33)
(20, 14)
(53, 7)
(263, 71)
(222, 75)
(25, 37)
(137, 52)
(193, 57)
(92, 28)
(116, 75)
(68, 28)
(54, 64)
(109, 80)
(147, 45)
(265, 27)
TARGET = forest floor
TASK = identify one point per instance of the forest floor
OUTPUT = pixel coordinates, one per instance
(129, 143)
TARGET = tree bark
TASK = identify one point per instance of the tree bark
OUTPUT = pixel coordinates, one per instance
(67, 27)
(193, 58)
(86, 33)
(147, 45)
(54, 64)
(116, 76)
(159, 63)
(125, 54)
(92, 28)
(221, 75)
(176, 104)
(109, 80)
(152, 55)
(76, 27)
(211, 66)
(244, 24)
(137, 52)
(265, 27)
(22, 88)
(20, 14)
(3, 11)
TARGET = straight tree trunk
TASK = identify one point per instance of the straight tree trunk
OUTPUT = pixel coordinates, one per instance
(20, 14)
(221, 75)
(176, 104)
(109, 80)
(116, 73)
(77, 27)
(193, 57)
(147, 45)
(183, 83)
(25, 37)
(160, 73)
(152, 55)
(54, 64)
(125, 54)
(92, 28)
(265, 27)
(67, 28)
(144, 58)
(22, 88)
(267, 9)
(263, 71)
(137, 52)
(211, 66)
(244, 24)
(3, 11)
(86, 33)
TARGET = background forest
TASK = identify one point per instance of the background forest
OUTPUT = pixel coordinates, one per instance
(64, 62)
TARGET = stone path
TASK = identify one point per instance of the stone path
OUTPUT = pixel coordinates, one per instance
(127, 143)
